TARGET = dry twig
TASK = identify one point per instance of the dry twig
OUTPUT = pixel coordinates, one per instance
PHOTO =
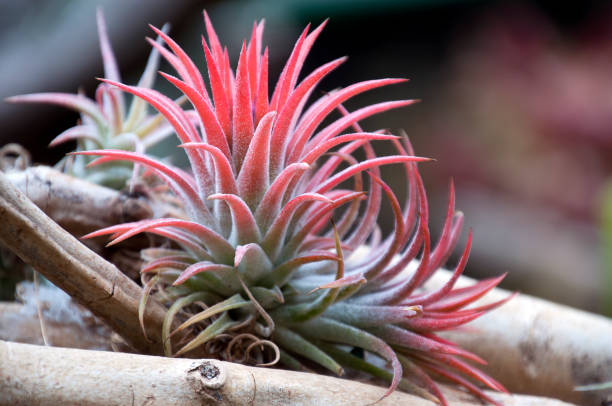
(53, 376)
(89, 279)
(78, 206)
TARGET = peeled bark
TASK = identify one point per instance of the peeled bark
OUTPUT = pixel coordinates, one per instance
(53, 376)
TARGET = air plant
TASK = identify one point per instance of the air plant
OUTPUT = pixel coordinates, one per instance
(279, 256)
(105, 122)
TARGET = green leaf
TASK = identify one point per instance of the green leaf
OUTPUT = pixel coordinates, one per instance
(356, 363)
(333, 331)
(214, 329)
(146, 291)
(290, 362)
(268, 298)
(205, 297)
(297, 344)
(306, 311)
(233, 302)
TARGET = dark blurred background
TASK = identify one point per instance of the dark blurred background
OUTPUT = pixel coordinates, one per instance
(516, 106)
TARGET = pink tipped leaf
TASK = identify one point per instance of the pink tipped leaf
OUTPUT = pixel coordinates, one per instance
(419, 376)
(224, 174)
(284, 82)
(194, 78)
(76, 133)
(148, 75)
(245, 229)
(461, 297)
(319, 150)
(199, 268)
(229, 77)
(436, 295)
(272, 242)
(439, 324)
(72, 101)
(219, 92)
(219, 248)
(174, 114)
(314, 117)
(442, 245)
(181, 124)
(252, 262)
(472, 310)
(371, 163)
(345, 122)
(261, 96)
(172, 59)
(331, 330)
(111, 71)
(461, 381)
(111, 102)
(282, 273)
(242, 114)
(271, 202)
(252, 61)
(214, 40)
(288, 109)
(395, 335)
(212, 128)
(253, 180)
(172, 177)
(378, 265)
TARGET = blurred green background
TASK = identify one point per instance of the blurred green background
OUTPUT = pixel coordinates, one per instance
(516, 106)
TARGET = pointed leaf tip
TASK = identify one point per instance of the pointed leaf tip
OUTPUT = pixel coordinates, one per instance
(240, 251)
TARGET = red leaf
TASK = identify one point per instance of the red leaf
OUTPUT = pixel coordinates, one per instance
(243, 112)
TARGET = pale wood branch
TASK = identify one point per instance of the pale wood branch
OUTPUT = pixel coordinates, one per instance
(67, 263)
(57, 376)
(532, 346)
(80, 207)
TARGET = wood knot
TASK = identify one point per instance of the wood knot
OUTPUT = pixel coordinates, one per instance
(205, 377)
(209, 371)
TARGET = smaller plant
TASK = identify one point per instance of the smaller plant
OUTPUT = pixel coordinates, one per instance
(106, 122)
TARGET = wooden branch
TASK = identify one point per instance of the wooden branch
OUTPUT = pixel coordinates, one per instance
(532, 346)
(539, 347)
(80, 207)
(89, 279)
(57, 376)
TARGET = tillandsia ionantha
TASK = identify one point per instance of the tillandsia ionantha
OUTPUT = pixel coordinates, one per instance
(281, 258)
(106, 122)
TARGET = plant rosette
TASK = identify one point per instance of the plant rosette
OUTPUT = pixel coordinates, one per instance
(276, 204)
